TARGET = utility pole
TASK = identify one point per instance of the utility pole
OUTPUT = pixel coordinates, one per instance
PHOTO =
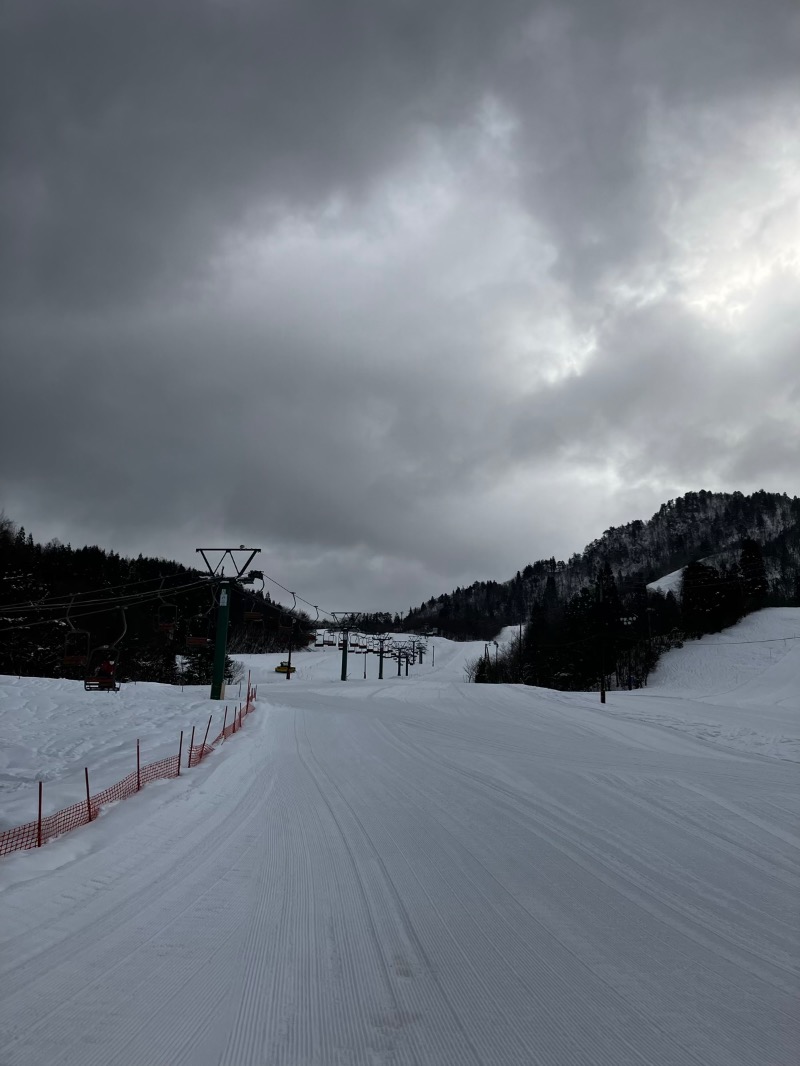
(602, 646)
(223, 613)
(289, 660)
(381, 642)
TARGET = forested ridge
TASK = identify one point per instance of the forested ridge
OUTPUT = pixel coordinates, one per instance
(59, 605)
(593, 617)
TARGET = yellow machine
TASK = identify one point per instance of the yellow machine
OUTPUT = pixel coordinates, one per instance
(284, 668)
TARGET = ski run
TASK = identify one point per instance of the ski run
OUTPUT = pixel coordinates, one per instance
(415, 870)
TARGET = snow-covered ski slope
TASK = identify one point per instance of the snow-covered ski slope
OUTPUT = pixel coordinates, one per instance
(423, 871)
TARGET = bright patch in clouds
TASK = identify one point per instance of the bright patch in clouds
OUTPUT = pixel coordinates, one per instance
(734, 210)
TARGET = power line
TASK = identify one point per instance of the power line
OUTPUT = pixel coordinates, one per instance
(46, 604)
(731, 643)
(109, 605)
(686, 642)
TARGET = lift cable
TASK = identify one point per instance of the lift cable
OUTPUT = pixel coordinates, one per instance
(56, 604)
(108, 605)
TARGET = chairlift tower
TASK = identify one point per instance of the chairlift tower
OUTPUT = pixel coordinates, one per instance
(346, 620)
(217, 572)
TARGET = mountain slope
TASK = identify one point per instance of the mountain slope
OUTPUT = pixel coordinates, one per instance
(701, 524)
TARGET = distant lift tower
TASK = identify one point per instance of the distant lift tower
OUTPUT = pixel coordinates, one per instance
(346, 620)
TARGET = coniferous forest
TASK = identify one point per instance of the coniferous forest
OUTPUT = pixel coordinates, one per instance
(61, 608)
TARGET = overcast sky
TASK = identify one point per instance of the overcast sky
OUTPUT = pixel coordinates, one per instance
(408, 293)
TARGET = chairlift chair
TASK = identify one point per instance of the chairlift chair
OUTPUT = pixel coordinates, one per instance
(77, 644)
(101, 675)
(198, 635)
(167, 618)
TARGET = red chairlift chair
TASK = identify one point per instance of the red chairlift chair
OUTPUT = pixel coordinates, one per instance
(103, 662)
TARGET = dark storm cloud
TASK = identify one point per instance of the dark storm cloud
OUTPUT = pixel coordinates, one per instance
(138, 132)
(135, 133)
(411, 293)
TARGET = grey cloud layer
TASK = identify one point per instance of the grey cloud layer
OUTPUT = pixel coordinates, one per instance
(392, 274)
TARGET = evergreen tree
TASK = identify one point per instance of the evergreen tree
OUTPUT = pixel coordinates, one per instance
(709, 600)
(753, 575)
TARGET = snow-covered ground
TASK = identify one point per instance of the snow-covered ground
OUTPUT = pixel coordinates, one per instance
(668, 583)
(416, 870)
(739, 689)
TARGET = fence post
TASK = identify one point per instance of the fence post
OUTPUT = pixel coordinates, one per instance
(138, 768)
(225, 722)
(205, 738)
(180, 753)
(39, 820)
(88, 800)
(191, 745)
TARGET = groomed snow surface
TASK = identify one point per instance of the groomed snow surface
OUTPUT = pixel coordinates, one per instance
(416, 870)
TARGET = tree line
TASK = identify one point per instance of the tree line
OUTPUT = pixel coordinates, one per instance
(611, 633)
(59, 604)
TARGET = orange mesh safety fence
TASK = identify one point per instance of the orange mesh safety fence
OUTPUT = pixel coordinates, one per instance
(32, 834)
(53, 825)
(236, 722)
(20, 837)
(60, 822)
(197, 753)
(124, 788)
(169, 767)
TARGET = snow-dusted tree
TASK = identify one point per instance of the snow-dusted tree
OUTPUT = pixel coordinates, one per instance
(753, 575)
